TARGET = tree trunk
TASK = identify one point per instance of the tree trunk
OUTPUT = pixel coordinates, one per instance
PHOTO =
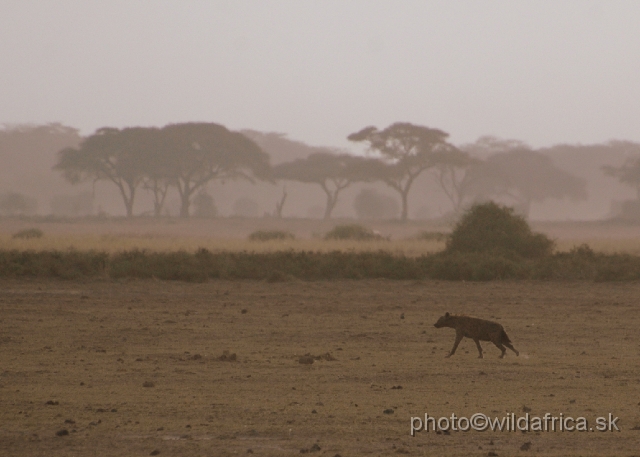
(185, 192)
(185, 203)
(405, 205)
(159, 197)
(128, 199)
(403, 190)
(129, 205)
(331, 203)
(280, 204)
(157, 208)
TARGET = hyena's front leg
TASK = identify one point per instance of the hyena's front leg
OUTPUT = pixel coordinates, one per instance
(479, 348)
(459, 337)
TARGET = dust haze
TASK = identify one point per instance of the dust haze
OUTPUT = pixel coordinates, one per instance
(298, 79)
(564, 182)
(227, 227)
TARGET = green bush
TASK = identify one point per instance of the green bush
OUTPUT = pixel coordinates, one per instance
(352, 232)
(267, 235)
(28, 233)
(491, 228)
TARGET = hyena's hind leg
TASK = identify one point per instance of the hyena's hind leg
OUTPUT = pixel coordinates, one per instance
(479, 348)
(504, 339)
(497, 339)
(501, 347)
(510, 346)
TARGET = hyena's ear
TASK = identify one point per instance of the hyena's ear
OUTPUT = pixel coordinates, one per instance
(446, 315)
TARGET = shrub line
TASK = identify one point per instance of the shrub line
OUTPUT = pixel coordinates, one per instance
(581, 263)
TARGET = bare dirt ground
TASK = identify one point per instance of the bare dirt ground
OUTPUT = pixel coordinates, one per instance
(139, 368)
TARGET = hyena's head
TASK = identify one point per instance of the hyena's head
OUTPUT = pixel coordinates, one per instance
(442, 322)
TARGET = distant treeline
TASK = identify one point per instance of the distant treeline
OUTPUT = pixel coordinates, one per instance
(185, 158)
(189, 156)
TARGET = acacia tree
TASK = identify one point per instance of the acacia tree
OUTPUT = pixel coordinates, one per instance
(27, 153)
(14, 203)
(521, 176)
(110, 154)
(332, 172)
(407, 150)
(158, 176)
(628, 173)
(450, 173)
(196, 153)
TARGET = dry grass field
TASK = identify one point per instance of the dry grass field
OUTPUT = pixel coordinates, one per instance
(113, 243)
(140, 368)
(119, 243)
(229, 234)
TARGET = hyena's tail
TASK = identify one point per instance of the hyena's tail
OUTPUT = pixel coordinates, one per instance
(505, 337)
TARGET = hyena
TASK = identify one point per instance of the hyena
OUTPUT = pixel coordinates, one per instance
(476, 329)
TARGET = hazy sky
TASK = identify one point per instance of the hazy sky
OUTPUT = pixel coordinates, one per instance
(540, 71)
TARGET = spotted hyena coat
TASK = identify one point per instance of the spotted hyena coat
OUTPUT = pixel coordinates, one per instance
(478, 330)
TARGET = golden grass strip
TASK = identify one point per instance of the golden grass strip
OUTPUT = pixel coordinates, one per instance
(603, 245)
(159, 243)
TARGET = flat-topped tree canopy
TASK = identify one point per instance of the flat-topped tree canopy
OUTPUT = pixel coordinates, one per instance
(522, 176)
(627, 173)
(186, 156)
(407, 150)
(403, 141)
(200, 152)
(331, 170)
(120, 156)
(212, 148)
